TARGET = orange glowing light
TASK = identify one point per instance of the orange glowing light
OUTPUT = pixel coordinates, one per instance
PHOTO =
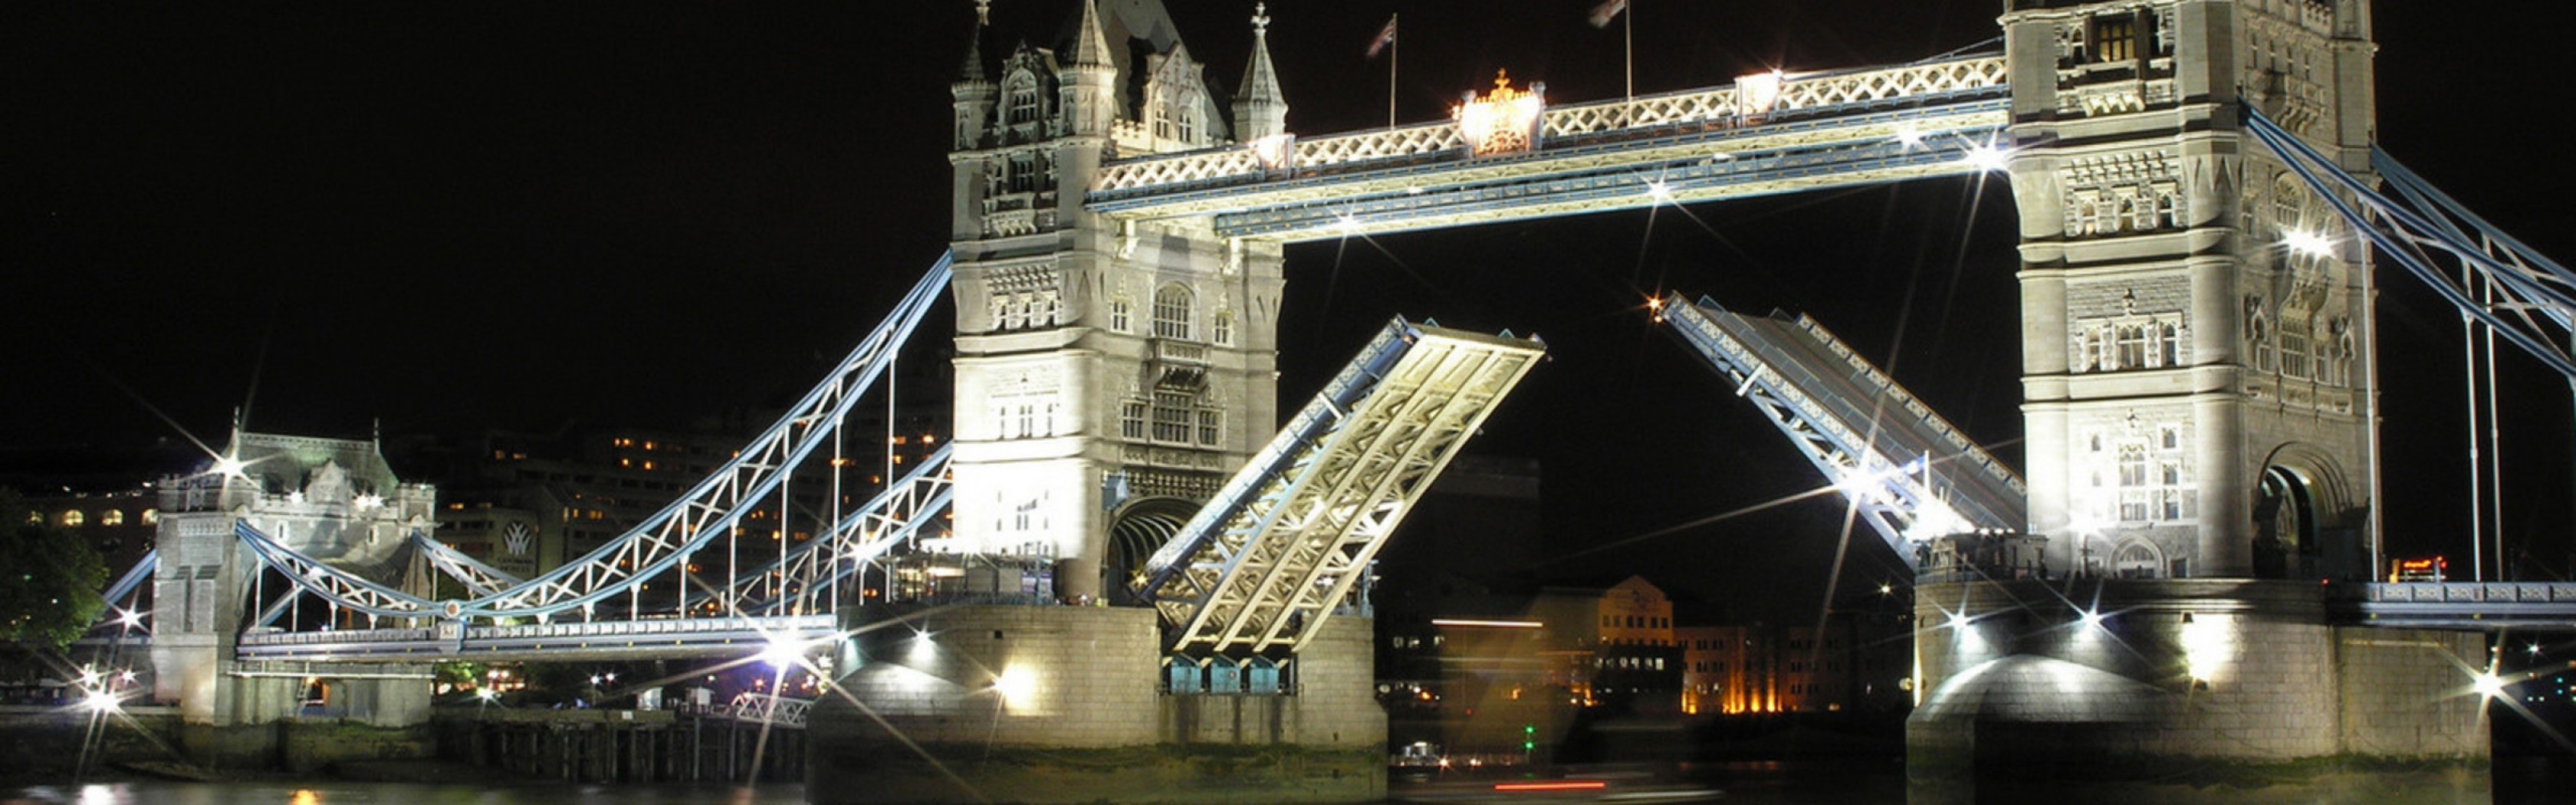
(1569, 785)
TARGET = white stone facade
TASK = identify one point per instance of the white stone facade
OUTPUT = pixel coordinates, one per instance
(2176, 354)
(1099, 367)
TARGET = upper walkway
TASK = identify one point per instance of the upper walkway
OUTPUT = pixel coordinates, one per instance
(1763, 134)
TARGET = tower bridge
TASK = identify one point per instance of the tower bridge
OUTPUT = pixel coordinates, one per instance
(2198, 214)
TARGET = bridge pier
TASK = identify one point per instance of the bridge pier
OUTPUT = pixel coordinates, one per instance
(2206, 690)
(1044, 704)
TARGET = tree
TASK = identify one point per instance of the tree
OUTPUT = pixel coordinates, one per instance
(50, 579)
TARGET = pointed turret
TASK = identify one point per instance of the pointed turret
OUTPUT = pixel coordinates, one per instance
(1088, 80)
(1259, 108)
(1090, 43)
(972, 71)
(973, 91)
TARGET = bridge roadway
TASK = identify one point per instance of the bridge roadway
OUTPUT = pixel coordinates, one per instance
(657, 638)
(2479, 606)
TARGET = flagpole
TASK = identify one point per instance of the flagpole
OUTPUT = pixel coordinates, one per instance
(1632, 49)
(1394, 53)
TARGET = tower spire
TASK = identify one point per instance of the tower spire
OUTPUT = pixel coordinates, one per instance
(1090, 45)
(973, 69)
(1259, 108)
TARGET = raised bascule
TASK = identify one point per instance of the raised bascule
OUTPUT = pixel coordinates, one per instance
(1116, 563)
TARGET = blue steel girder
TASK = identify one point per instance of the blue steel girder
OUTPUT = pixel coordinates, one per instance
(654, 638)
(1824, 130)
(712, 509)
(1265, 562)
(1907, 472)
(2530, 299)
(896, 516)
(478, 578)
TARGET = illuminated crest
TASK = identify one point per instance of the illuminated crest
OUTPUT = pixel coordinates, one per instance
(1504, 121)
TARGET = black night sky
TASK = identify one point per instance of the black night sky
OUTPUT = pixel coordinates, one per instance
(455, 215)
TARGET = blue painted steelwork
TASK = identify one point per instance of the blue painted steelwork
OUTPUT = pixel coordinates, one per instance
(2487, 606)
(1907, 472)
(651, 638)
(1782, 170)
(712, 509)
(1271, 556)
(2410, 234)
(480, 578)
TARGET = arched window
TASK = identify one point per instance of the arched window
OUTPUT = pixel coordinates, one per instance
(151, 516)
(2258, 340)
(1121, 312)
(1221, 326)
(1022, 97)
(73, 518)
(1172, 312)
(112, 517)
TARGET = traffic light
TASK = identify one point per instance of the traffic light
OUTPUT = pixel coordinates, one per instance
(1529, 737)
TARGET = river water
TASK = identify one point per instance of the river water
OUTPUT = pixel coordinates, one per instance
(1873, 782)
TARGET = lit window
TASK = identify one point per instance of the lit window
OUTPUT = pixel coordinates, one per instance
(151, 517)
(111, 517)
(2115, 38)
(74, 518)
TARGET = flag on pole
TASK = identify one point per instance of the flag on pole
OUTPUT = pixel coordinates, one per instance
(1607, 11)
(1384, 38)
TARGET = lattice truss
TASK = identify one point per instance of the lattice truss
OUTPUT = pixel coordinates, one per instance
(807, 581)
(2524, 297)
(1262, 566)
(1906, 471)
(710, 517)
(1767, 134)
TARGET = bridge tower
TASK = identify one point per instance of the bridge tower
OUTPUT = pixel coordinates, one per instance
(2198, 401)
(331, 499)
(1109, 378)
(2196, 360)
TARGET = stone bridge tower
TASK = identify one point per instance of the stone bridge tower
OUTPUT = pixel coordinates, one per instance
(1109, 378)
(2197, 385)
(2196, 359)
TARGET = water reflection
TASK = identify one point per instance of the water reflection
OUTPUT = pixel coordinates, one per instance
(312, 793)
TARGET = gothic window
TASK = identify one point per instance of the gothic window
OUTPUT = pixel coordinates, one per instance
(2115, 38)
(2294, 349)
(2133, 482)
(2258, 340)
(1221, 328)
(1172, 312)
(2132, 340)
(2168, 344)
(1211, 427)
(2169, 438)
(73, 518)
(1162, 115)
(1171, 417)
(1188, 123)
(1020, 174)
(111, 517)
(1120, 313)
(1022, 97)
(1131, 420)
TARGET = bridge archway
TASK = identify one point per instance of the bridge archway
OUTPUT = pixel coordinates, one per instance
(1135, 532)
(2301, 494)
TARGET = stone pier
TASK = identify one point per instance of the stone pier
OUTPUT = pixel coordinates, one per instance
(2185, 690)
(1039, 704)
